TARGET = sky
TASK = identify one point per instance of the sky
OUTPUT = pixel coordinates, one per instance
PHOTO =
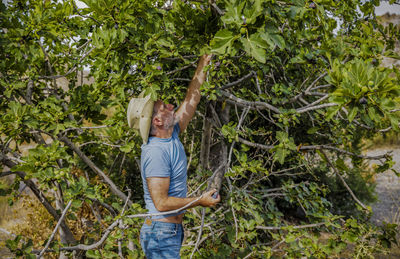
(385, 7)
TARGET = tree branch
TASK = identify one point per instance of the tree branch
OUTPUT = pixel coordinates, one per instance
(254, 105)
(237, 81)
(294, 227)
(343, 181)
(99, 172)
(182, 68)
(55, 230)
(3, 174)
(203, 213)
(316, 107)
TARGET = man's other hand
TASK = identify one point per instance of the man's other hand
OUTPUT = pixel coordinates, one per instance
(208, 201)
(205, 59)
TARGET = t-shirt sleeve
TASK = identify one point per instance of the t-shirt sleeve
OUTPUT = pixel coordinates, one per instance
(176, 131)
(156, 163)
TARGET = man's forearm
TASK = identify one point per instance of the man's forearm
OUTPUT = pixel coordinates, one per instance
(193, 92)
(192, 99)
(173, 203)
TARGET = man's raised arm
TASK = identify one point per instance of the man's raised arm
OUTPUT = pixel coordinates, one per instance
(189, 105)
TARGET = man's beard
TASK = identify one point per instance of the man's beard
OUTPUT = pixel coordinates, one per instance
(171, 121)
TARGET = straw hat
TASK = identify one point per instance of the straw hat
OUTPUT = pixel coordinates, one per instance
(139, 115)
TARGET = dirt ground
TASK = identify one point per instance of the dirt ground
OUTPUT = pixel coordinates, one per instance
(387, 208)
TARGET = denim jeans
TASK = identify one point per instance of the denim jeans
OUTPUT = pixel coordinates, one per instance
(161, 240)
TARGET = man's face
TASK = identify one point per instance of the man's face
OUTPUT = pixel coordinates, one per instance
(166, 113)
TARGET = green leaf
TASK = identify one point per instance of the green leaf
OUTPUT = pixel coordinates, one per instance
(222, 41)
(126, 148)
(233, 13)
(280, 155)
(352, 114)
(372, 114)
(278, 40)
(255, 46)
(312, 130)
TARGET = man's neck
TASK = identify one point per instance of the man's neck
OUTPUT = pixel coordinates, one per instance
(164, 133)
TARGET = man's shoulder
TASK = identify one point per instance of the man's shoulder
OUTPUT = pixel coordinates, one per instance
(154, 150)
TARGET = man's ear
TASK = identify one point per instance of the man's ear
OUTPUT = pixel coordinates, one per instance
(157, 121)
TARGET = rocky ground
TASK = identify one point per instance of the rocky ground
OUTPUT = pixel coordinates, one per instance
(387, 208)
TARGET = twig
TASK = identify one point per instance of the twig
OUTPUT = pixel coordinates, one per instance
(126, 202)
(121, 225)
(95, 245)
(254, 105)
(203, 213)
(294, 227)
(181, 79)
(315, 82)
(235, 220)
(182, 68)
(85, 16)
(343, 181)
(3, 174)
(293, 99)
(81, 128)
(317, 101)
(105, 235)
(102, 143)
(316, 107)
(55, 230)
(105, 205)
(238, 81)
(320, 86)
(219, 11)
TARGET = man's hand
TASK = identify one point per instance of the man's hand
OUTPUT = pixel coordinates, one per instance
(208, 201)
(205, 59)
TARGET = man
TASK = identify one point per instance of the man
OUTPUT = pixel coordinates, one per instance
(163, 167)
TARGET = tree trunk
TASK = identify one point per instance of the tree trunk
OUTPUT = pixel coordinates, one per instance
(219, 152)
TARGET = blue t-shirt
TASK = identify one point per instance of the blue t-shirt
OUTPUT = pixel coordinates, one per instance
(164, 158)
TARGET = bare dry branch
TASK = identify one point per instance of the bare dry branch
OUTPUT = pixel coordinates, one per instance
(55, 230)
(203, 213)
(294, 227)
(343, 181)
(254, 105)
(237, 81)
(97, 170)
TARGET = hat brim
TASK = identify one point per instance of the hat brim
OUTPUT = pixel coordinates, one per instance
(139, 115)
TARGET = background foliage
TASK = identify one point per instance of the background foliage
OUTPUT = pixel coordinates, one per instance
(292, 90)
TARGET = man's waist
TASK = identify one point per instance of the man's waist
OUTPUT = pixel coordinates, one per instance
(171, 219)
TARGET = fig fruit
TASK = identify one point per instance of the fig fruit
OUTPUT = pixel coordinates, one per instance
(363, 100)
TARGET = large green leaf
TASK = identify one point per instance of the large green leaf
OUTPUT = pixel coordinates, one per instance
(222, 41)
(273, 40)
(255, 46)
(233, 13)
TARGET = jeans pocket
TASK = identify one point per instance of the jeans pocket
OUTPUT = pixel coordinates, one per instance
(166, 233)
